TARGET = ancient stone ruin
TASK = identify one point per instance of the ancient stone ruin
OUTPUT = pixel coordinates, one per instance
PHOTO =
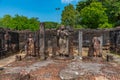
(60, 54)
(63, 42)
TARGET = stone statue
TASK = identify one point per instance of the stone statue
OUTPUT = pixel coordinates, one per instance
(94, 49)
(96, 46)
(62, 34)
(30, 45)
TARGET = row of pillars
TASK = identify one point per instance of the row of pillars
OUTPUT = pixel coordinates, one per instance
(80, 38)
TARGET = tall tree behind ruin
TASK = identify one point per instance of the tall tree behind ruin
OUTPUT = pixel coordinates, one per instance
(68, 15)
(112, 10)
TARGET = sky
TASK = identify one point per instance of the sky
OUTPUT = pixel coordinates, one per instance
(45, 10)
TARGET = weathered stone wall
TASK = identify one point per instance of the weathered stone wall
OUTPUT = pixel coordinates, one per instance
(13, 45)
(14, 41)
(115, 40)
(2, 32)
(19, 38)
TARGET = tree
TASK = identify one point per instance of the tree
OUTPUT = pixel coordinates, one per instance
(113, 11)
(6, 20)
(20, 22)
(80, 5)
(50, 25)
(93, 16)
(1, 22)
(83, 3)
(33, 24)
(68, 15)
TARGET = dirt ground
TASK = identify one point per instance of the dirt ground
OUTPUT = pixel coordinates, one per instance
(52, 69)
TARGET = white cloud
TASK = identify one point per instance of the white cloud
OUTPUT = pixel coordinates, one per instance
(68, 1)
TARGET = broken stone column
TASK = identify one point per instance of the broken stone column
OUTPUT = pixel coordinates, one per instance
(42, 41)
(49, 43)
(101, 44)
(109, 58)
(71, 54)
(54, 46)
(18, 57)
(37, 44)
(67, 47)
(80, 44)
(49, 48)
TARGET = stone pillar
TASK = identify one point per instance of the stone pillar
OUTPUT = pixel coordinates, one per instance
(80, 44)
(67, 47)
(54, 46)
(42, 41)
(37, 45)
(49, 49)
(101, 43)
(71, 53)
(34, 38)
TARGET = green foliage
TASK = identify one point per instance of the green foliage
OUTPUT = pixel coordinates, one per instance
(20, 22)
(68, 15)
(93, 15)
(83, 3)
(105, 25)
(51, 25)
(78, 26)
(0, 22)
(113, 11)
(117, 23)
(33, 24)
(5, 21)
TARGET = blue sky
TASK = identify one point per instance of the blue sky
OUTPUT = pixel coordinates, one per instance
(43, 9)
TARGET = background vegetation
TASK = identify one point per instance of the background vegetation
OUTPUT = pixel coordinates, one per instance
(86, 14)
(92, 14)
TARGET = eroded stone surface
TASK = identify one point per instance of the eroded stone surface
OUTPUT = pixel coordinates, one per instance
(76, 69)
(97, 70)
(69, 75)
(27, 68)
